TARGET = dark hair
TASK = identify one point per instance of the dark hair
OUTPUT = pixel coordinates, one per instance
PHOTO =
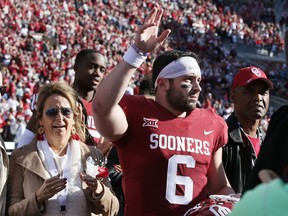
(146, 87)
(165, 58)
(83, 53)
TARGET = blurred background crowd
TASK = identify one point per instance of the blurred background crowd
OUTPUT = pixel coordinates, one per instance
(39, 41)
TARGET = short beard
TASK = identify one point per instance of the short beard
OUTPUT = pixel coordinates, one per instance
(177, 101)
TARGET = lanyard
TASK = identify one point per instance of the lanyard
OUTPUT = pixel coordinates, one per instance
(54, 169)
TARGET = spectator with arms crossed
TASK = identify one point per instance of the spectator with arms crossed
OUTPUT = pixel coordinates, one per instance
(170, 151)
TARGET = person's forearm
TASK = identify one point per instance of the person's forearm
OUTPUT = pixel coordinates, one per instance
(226, 190)
(112, 88)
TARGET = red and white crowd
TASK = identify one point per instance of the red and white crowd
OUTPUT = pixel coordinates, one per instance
(39, 40)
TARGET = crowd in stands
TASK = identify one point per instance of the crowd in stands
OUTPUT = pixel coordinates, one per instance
(39, 40)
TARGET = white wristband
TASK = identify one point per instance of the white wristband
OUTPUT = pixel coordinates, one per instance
(134, 58)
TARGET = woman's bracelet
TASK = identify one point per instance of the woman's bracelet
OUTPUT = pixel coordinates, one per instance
(134, 56)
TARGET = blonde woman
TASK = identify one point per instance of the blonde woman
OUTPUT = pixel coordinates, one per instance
(57, 173)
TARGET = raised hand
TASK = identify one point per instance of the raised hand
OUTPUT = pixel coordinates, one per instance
(147, 39)
(49, 188)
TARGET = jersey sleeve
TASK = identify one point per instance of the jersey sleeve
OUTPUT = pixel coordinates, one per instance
(222, 136)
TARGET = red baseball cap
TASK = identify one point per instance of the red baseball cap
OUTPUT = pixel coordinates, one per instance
(249, 74)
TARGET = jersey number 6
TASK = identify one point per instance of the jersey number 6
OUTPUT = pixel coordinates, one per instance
(173, 179)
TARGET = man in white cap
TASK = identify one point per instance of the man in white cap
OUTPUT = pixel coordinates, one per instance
(170, 151)
(250, 95)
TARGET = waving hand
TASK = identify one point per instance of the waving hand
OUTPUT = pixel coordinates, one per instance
(147, 38)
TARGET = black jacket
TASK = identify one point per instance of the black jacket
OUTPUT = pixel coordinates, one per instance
(116, 178)
(238, 158)
(274, 151)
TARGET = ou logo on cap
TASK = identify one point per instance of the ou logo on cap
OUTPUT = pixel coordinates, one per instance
(256, 71)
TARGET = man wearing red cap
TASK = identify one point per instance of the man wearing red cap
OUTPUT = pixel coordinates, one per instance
(250, 95)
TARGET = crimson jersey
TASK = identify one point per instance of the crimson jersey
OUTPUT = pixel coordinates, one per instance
(165, 159)
(90, 121)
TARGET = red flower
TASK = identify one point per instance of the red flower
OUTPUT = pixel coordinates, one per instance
(103, 172)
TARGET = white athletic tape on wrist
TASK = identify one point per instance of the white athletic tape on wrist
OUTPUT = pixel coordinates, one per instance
(134, 58)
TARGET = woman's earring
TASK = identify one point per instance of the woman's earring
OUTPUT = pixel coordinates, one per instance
(74, 135)
(40, 131)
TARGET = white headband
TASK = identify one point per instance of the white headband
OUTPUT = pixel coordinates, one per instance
(183, 66)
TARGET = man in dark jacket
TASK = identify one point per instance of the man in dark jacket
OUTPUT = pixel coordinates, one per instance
(250, 95)
(273, 154)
